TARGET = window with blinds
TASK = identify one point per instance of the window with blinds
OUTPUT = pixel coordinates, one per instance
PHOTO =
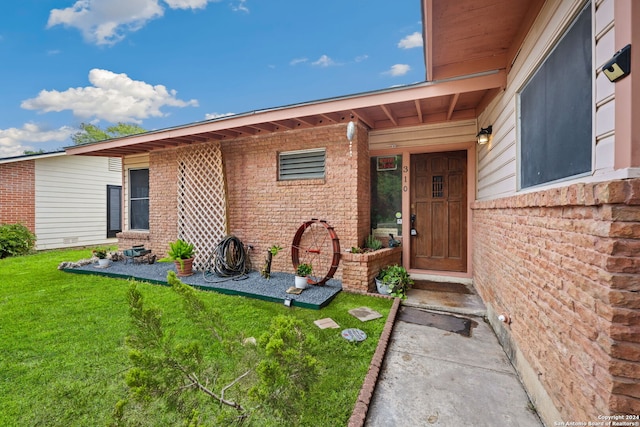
(304, 164)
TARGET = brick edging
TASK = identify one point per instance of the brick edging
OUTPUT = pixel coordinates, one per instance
(359, 414)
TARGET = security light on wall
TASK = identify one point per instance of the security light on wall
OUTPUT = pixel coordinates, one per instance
(484, 135)
(619, 66)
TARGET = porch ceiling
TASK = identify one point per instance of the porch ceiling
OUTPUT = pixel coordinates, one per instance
(470, 36)
(424, 103)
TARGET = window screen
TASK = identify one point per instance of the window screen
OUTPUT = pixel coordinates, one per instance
(556, 110)
(114, 210)
(139, 199)
(308, 164)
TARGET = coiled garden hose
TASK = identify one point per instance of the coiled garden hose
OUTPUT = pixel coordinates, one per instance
(229, 259)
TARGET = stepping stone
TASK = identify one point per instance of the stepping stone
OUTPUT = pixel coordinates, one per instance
(365, 313)
(326, 323)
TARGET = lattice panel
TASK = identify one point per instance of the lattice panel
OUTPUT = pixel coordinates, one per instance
(202, 206)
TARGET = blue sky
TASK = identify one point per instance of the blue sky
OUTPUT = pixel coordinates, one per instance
(164, 63)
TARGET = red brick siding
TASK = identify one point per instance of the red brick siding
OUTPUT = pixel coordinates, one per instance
(163, 200)
(360, 270)
(17, 193)
(564, 263)
(263, 211)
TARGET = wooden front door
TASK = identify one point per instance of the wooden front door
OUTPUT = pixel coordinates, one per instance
(439, 211)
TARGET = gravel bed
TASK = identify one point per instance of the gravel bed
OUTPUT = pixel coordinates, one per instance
(250, 285)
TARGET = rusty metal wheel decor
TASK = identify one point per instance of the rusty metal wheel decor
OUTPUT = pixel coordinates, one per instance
(316, 243)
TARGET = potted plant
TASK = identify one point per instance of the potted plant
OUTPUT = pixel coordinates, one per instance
(394, 280)
(302, 271)
(181, 253)
(101, 254)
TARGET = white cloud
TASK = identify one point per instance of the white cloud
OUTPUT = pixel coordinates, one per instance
(411, 41)
(324, 61)
(105, 22)
(240, 6)
(14, 141)
(398, 70)
(112, 97)
(298, 61)
(187, 4)
(361, 58)
(211, 116)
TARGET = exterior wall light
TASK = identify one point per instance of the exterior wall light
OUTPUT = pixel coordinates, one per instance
(351, 131)
(484, 134)
(619, 66)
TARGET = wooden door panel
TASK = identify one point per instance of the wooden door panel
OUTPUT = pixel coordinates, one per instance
(439, 201)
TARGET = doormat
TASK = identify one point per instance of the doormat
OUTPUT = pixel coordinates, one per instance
(430, 285)
(446, 322)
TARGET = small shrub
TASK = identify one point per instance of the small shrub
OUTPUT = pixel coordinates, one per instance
(15, 239)
(373, 243)
(304, 270)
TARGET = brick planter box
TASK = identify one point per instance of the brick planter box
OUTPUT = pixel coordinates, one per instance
(127, 239)
(360, 270)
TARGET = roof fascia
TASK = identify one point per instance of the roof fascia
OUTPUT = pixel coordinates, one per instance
(487, 80)
(26, 157)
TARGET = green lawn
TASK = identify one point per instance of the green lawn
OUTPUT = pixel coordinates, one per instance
(63, 356)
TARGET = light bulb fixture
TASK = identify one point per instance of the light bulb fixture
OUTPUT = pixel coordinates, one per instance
(484, 135)
(351, 131)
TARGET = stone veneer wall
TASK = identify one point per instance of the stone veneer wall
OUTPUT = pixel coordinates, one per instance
(565, 265)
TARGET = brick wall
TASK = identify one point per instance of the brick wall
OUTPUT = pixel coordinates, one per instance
(17, 193)
(263, 211)
(163, 200)
(360, 270)
(565, 265)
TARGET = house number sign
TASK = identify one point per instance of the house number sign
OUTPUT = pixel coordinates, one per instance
(405, 179)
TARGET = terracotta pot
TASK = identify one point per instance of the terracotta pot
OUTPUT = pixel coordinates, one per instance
(186, 269)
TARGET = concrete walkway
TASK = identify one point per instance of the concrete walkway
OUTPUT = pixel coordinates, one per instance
(432, 376)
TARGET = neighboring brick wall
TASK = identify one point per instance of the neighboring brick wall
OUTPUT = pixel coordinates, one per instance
(17, 193)
(263, 211)
(565, 265)
(360, 270)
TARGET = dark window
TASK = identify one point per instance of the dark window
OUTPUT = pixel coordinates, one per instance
(386, 195)
(556, 110)
(114, 210)
(308, 164)
(139, 199)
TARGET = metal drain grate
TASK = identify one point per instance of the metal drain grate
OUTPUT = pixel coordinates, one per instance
(446, 322)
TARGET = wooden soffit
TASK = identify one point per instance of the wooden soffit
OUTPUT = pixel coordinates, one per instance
(464, 37)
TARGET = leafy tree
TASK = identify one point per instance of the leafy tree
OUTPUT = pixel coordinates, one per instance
(189, 380)
(40, 151)
(93, 133)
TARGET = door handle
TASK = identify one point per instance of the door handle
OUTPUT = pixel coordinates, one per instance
(414, 232)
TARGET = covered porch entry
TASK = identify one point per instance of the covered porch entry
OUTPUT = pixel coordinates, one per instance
(431, 212)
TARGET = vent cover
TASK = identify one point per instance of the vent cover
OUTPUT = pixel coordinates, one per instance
(307, 164)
